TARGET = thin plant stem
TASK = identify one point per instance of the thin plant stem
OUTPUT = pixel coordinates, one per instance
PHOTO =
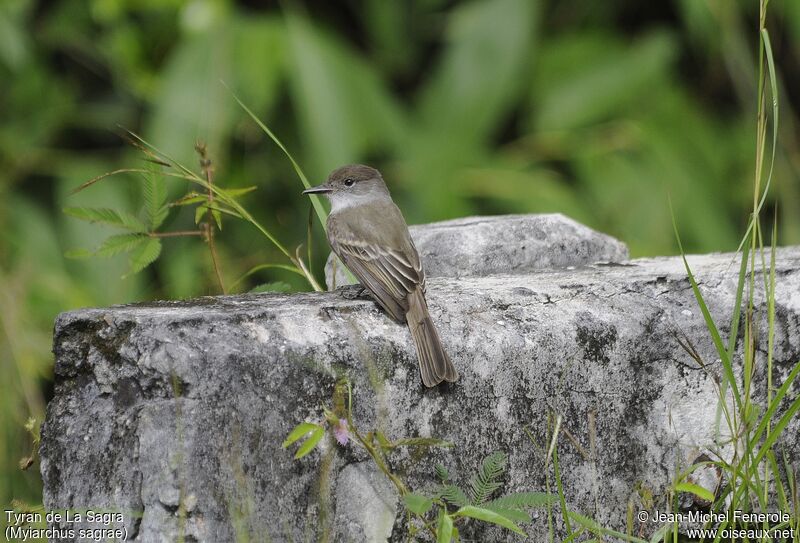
(377, 456)
(208, 173)
(176, 234)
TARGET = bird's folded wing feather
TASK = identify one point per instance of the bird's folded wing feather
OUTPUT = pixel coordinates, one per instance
(389, 274)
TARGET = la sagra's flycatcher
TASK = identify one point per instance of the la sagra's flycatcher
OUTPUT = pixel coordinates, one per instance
(368, 233)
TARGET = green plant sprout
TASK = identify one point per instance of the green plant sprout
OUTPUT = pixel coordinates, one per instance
(433, 510)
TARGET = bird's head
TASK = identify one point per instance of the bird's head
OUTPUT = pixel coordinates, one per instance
(352, 185)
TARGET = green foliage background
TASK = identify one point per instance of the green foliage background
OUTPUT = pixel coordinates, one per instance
(599, 110)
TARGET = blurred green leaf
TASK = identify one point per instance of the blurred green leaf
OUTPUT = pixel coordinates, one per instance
(30, 237)
(344, 109)
(310, 443)
(14, 46)
(524, 191)
(186, 276)
(191, 103)
(697, 490)
(79, 254)
(27, 125)
(275, 286)
(417, 503)
(444, 530)
(588, 78)
(259, 60)
(391, 32)
(514, 515)
(488, 516)
(487, 58)
(235, 193)
(299, 431)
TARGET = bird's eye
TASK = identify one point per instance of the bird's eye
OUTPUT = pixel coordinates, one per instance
(348, 182)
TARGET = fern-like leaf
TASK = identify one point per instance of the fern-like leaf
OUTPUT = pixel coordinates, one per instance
(454, 495)
(120, 243)
(145, 255)
(154, 191)
(442, 473)
(485, 482)
(104, 215)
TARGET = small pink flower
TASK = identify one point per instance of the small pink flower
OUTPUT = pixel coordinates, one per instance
(340, 432)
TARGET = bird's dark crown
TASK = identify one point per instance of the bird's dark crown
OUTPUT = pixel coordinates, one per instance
(353, 172)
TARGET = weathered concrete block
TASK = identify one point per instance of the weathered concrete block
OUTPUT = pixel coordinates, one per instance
(502, 244)
(173, 413)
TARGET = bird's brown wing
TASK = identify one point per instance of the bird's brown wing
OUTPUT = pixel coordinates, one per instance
(388, 273)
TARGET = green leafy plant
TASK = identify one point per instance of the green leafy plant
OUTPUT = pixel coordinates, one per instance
(142, 241)
(313, 434)
(506, 510)
(142, 238)
(339, 420)
(431, 511)
(751, 474)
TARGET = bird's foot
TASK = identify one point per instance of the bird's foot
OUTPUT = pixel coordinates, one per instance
(354, 292)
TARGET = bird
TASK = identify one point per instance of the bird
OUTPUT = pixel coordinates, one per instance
(368, 233)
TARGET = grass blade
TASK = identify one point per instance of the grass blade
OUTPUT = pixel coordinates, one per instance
(697, 490)
(315, 200)
(596, 529)
(709, 320)
(562, 499)
(772, 437)
(773, 405)
(107, 216)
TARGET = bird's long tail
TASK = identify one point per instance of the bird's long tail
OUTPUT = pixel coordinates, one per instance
(434, 364)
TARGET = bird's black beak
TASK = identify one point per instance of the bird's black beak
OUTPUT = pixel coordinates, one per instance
(319, 189)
